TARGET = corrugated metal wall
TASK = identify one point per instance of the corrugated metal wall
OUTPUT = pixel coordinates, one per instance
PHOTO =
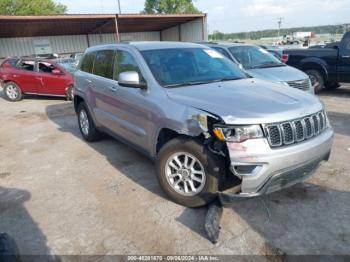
(171, 34)
(141, 36)
(59, 44)
(68, 44)
(193, 31)
(190, 32)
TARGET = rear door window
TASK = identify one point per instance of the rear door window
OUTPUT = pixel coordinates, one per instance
(27, 65)
(103, 65)
(88, 62)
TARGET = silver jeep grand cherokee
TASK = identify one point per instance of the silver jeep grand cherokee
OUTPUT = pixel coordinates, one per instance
(211, 130)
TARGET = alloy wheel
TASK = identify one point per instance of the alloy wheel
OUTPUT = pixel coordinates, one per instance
(185, 174)
(84, 122)
(12, 92)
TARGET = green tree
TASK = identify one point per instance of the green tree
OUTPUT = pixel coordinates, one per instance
(170, 7)
(217, 35)
(31, 7)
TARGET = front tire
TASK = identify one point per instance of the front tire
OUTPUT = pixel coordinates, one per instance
(12, 92)
(86, 124)
(188, 172)
(317, 80)
(70, 93)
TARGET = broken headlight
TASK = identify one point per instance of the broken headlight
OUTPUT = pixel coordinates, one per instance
(237, 134)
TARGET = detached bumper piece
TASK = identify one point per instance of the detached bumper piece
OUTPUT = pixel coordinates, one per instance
(212, 221)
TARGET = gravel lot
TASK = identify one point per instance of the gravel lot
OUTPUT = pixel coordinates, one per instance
(60, 195)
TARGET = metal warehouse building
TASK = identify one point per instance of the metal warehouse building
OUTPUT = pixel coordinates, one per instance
(65, 34)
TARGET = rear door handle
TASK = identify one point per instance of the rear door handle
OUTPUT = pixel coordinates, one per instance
(346, 56)
(88, 80)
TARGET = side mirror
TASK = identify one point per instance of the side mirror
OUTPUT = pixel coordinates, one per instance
(56, 72)
(240, 66)
(131, 79)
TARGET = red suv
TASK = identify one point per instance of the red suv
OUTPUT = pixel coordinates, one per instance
(35, 76)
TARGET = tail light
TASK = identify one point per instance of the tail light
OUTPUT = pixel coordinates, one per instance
(284, 58)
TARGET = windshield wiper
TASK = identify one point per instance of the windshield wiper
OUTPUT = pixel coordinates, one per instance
(187, 83)
(228, 79)
(192, 83)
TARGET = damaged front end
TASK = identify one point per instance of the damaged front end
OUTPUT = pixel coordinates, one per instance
(253, 167)
(209, 124)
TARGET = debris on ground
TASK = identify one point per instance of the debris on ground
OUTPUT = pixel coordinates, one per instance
(212, 221)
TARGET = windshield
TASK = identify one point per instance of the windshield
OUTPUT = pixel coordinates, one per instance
(190, 66)
(254, 57)
(69, 64)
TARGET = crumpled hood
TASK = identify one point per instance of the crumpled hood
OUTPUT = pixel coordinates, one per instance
(277, 74)
(247, 101)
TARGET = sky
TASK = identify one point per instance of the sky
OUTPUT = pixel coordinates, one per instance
(240, 15)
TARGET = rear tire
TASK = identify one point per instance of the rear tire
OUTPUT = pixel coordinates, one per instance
(86, 124)
(173, 180)
(12, 92)
(317, 80)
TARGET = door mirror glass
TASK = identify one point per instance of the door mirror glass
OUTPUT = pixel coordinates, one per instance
(130, 79)
(56, 72)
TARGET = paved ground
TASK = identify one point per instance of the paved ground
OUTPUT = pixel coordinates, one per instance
(60, 195)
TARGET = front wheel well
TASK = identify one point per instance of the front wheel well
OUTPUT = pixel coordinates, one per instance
(77, 101)
(166, 134)
(8, 81)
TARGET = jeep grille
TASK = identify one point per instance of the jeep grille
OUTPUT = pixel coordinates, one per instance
(295, 131)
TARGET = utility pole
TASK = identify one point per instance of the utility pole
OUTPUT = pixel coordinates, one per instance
(279, 25)
(120, 11)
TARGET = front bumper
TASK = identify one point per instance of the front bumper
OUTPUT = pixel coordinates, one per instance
(270, 169)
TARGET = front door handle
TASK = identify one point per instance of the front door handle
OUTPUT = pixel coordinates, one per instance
(113, 88)
(346, 56)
